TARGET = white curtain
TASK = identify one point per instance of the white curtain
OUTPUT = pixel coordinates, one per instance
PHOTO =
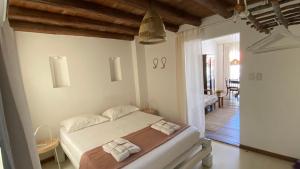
(190, 79)
(18, 141)
(226, 53)
(220, 76)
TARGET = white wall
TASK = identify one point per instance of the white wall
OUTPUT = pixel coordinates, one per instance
(162, 89)
(269, 108)
(210, 47)
(140, 73)
(91, 89)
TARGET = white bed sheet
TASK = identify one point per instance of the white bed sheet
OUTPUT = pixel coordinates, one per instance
(77, 143)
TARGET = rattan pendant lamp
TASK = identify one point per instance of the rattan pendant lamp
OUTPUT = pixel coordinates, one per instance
(152, 29)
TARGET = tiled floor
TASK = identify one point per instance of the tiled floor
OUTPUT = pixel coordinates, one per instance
(229, 132)
(225, 157)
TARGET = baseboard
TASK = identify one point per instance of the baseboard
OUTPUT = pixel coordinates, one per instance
(275, 155)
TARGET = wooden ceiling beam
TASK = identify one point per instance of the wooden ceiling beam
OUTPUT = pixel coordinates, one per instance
(266, 18)
(286, 15)
(283, 9)
(256, 24)
(294, 23)
(274, 16)
(35, 16)
(277, 10)
(268, 5)
(268, 22)
(86, 10)
(292, 11)
(263, 14)
(273, 23)
(80, 9)
(260, 7)
(294, 19)
(215, 6)
(292, 15)
(169, 14)
(171, 27)
(58, 30)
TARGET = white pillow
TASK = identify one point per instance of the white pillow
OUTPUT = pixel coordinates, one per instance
(116, 112)
(81, 122)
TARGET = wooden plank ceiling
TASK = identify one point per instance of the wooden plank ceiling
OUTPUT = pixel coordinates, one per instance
(116, 19)
(265, 17)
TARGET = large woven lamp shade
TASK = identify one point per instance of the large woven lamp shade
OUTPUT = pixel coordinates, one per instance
(152, 29)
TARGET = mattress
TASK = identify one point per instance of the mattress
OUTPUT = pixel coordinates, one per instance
(77, 143)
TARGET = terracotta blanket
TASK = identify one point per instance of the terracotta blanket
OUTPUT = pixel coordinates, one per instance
(147, 139)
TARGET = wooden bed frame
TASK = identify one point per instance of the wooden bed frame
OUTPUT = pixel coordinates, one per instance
(190, 158)
(201, 151)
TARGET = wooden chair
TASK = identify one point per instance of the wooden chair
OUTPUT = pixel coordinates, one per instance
(232, 86)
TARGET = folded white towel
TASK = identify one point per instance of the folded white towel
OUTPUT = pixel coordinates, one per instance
(165, 127)
(119, 156)
(120, 149)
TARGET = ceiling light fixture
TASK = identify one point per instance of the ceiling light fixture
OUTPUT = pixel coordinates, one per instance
(240, 10)
(152, 29)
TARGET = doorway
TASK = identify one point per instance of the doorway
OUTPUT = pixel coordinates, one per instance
(221, 72)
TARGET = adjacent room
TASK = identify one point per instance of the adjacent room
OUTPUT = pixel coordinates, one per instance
(149, 84)
(221, 78)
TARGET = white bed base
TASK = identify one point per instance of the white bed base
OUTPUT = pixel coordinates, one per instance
(201, 151)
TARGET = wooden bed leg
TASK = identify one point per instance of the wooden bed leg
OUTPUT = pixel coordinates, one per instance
(208, 160)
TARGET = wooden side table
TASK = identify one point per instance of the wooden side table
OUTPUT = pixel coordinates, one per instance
(221, 101)
(150, 111)
(47, 146)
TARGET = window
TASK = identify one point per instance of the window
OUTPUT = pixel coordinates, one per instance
(234, 60)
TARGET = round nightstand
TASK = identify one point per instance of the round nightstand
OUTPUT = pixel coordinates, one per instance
(47, 145)
(150, 111)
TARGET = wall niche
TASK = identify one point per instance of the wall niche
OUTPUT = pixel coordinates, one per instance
(115, 69)
(59, 71)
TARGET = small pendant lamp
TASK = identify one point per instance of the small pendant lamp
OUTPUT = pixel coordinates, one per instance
(152, 29)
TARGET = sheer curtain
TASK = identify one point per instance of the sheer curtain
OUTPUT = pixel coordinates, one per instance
(190, 79)
(227, 52)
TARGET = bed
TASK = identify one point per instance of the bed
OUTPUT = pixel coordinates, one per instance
(183, 151)
(210, 100)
